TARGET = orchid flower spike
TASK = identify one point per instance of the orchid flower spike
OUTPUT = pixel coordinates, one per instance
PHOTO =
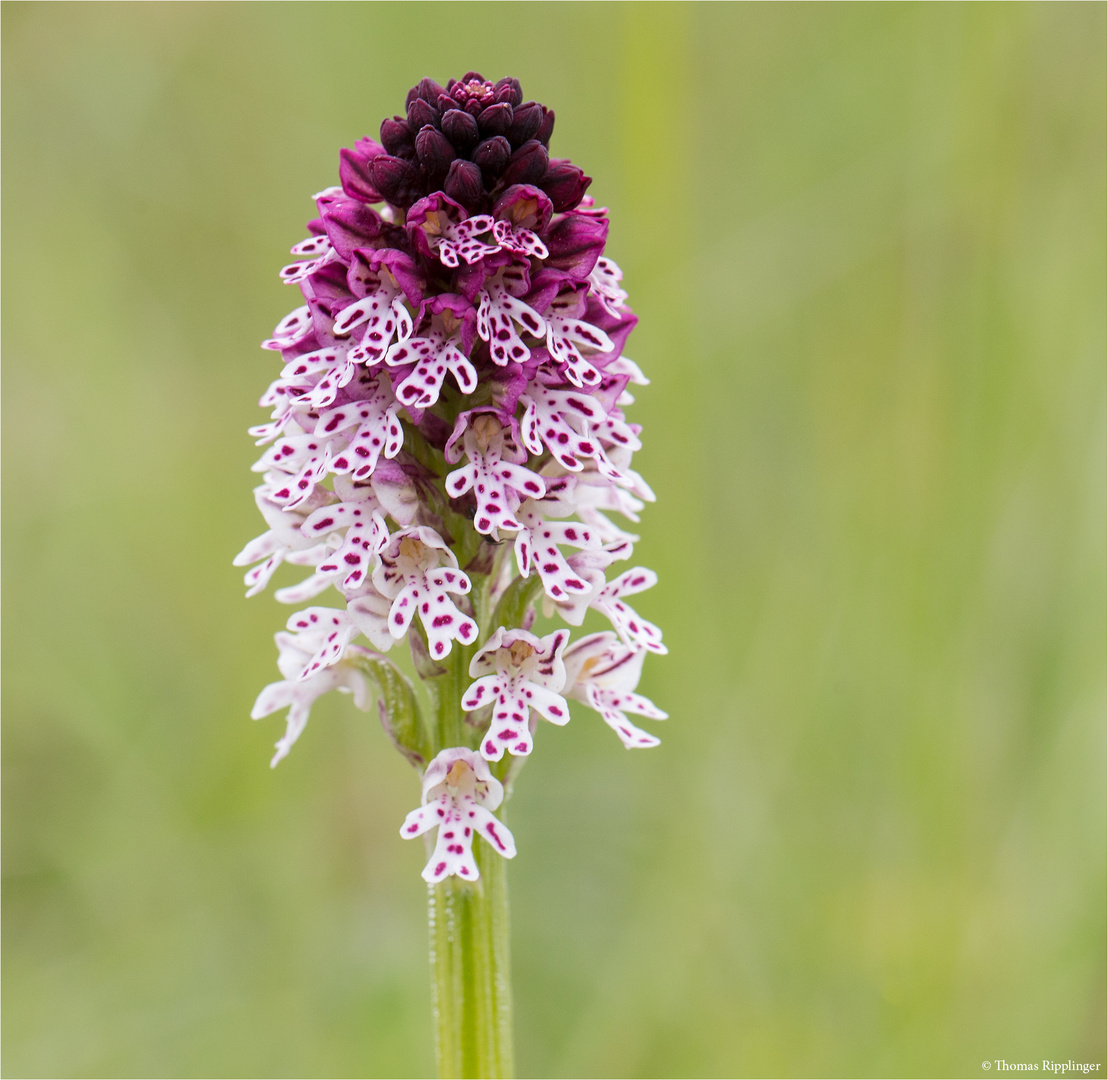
(446, 448)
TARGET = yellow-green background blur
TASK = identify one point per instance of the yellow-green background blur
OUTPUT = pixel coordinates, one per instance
(867, 247)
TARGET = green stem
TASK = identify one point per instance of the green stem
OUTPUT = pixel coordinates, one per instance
(471, 999)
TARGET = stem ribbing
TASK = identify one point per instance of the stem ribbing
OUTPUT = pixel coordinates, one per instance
(470, 981)
(471, 1000)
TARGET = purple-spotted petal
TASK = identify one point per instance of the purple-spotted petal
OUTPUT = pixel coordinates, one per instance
(497, 315)
(459, 795)
(536, 548)
(291, 330)
(409, 573)
(631, 627)
(516, 672)
(382, 317)
(498, 486)
(433, 356)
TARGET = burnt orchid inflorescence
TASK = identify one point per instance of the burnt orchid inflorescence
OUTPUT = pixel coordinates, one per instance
(447, 442)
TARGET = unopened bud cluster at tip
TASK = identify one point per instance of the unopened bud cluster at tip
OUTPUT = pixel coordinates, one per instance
(469, 140)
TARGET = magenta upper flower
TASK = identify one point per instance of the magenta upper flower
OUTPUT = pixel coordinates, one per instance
(446, 445)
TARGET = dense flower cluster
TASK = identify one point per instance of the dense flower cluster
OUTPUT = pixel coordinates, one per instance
(447, 441)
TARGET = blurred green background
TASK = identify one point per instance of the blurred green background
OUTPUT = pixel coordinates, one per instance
(867, 245)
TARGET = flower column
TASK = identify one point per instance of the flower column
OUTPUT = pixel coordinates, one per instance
(447, 440)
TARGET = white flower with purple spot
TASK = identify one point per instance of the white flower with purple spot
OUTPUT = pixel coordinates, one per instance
(459, 795)
(304, 458)
(517, 672)
(632, 628)
(352, 560)
(603, 672)
(298, 694)
(518, 240)
(291, 330)
(522, 212)
(560, 421)
(604, 282)
(439, 227)
(380, 317)
(316, 252)
(411, 573)
(334, 368)
(434, 352)
(362, 430)
(536, 548)
(567, 335)
(277, 545)
(498, 486)
(497, 315)
(388, 319)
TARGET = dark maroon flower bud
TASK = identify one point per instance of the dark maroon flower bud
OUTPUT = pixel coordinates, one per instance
(397, 180)
(397, 137)
(420, 113)
(356, 177)
(565, 184)
(509, 90)
(463, 184)
(410, 97)
(473, 76)
(461, 129)
(351, 224)
(492, 155)
(469, 279)
(546, 128)
(429, 90)
(546, 285)
(528, 164)
(434, 150)
(526, 120)
(495, 120)
(473, 106)
(575, 243)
